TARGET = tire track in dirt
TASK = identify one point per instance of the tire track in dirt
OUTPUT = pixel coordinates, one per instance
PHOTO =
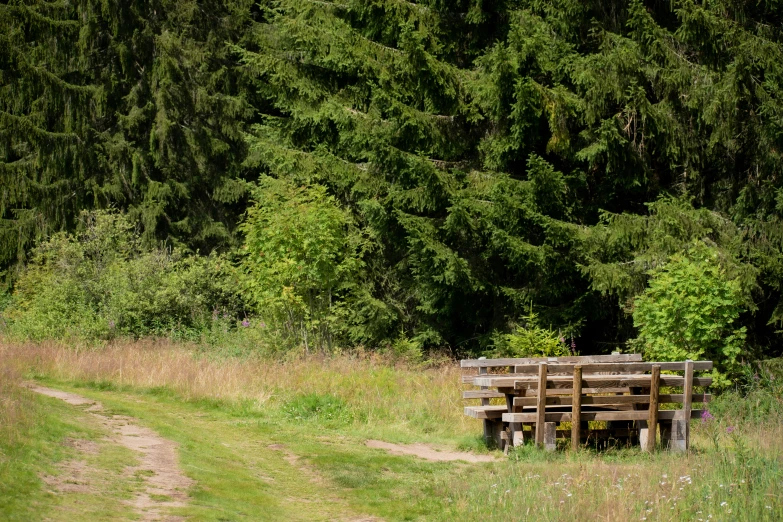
(309, 473)
(165, 484)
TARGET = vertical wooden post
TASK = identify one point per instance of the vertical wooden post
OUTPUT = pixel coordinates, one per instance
(652, 421)
(576, 409)
(488, 424)
(541, 405)
(687, 399)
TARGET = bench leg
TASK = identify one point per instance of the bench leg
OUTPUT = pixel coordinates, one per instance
(494, 433)
(673, 435)
(517, 435)
(488, 431)
(644, 433)
(550, 434)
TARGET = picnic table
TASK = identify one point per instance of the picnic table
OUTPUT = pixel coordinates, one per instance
(620, 389)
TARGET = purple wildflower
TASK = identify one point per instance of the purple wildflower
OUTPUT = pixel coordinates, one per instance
(730, 429)
(562, 340)
(245, 323)
(706, 416)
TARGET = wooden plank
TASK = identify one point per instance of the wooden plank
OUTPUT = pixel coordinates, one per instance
(494, 363)
(687, 391)
(488, 426)
(652, 421)
(541, 404)
(610, 368)
(598, 416)
(576, 408)
(555, 392)
(676, 398)
(485, 412)
(482, 394)
(588, 381)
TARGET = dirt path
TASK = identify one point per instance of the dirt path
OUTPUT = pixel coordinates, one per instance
(428, 452)
(164, 484)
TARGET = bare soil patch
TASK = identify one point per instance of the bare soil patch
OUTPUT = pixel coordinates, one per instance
(165, 484)
(427, 452)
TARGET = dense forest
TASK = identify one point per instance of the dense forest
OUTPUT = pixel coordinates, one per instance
(469, 174)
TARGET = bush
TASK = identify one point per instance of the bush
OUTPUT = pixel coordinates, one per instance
(529, 339)
(689, 310)
(301, 259)
(102, 282)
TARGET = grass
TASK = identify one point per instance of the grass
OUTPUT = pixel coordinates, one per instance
(37, 439)
(284, 440)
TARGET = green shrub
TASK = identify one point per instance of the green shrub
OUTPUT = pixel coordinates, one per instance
(689, 311)
(529, 339)
(102, 282)
(301, 259)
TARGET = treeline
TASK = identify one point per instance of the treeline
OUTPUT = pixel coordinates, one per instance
(422, 174)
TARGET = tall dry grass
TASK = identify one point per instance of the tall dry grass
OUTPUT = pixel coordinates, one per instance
(377, 390)
(14, 405)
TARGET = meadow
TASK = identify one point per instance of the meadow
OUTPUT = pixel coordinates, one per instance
(284, 439)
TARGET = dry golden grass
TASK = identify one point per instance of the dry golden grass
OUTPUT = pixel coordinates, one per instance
(14, 404)
(374, 388)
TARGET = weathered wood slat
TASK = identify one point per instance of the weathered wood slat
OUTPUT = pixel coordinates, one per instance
(588, 381)
(482, 394)
(613, 367)
(676, 398)
(568, 391)
(485, 412)
(492, 363)
(598, 416)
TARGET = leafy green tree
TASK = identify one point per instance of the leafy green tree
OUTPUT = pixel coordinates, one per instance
(690, 311)
(300, 258)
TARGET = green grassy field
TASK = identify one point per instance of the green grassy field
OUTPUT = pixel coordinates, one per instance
(285, 440)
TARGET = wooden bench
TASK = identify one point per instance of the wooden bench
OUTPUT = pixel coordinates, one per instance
(579, 394)
(494, 426)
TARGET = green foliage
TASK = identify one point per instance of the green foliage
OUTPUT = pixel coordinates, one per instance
(529, 340)
(127, 105)
(690, 311)
(300, 258)
(756, 400)
(101, 283)
(488, 154)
